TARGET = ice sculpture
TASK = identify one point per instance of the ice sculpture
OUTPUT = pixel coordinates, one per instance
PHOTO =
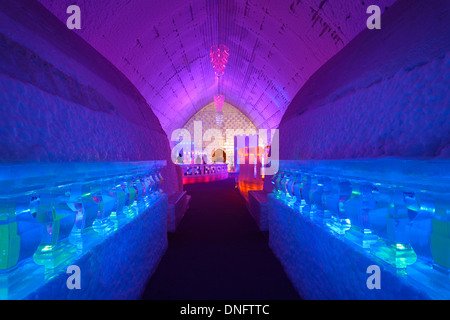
(219, 99)
(337, 193)
(219, 58)
(380, 205)
(43, 205)
(361, 230)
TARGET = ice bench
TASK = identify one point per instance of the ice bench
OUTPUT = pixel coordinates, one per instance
(178, 204)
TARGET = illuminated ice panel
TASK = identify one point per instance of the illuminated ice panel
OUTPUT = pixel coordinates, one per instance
(50, 213)
(398, 209)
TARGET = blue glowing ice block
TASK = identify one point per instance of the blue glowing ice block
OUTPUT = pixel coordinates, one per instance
(298, 190)
(119, 195)
(313, 196)
(338, 192)
(139, 185)
(396, 248)
(277, 180)
(290, 197)
(283, 179)
(130, 208)
(148, 182)
(82, 202)
(104, 197)
(361, 231)
(318, 198)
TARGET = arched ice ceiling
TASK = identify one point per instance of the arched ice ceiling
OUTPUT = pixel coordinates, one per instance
(163, 48)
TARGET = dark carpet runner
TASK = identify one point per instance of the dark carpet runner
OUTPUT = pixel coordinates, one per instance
(218, 253)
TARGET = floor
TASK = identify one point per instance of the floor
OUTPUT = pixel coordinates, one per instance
(218, 253)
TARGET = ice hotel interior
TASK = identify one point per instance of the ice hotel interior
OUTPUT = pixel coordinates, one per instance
(224, 150)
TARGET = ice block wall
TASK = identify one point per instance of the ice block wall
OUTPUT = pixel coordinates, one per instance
(385, 94)
(61, 101)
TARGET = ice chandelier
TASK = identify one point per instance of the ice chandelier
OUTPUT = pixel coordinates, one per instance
(219, 119)
(218, 101)
(219, 58)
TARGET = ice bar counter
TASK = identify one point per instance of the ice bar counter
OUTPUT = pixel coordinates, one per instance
(197, 173)
(56, 215)
(330, 220)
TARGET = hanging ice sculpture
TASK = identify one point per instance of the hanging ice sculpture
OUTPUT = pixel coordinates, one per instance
(219, 119)
(219, 58)
(218, 102)
(219, 99)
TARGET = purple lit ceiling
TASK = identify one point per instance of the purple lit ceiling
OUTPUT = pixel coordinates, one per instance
(163, 48)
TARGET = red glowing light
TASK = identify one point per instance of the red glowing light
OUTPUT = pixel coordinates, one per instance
(201, 179)
(219, 58)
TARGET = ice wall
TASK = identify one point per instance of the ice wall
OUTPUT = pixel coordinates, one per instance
(60, 100)
(384, 95)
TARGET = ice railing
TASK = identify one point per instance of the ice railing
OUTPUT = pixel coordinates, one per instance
(203, 169)
(399, 210)
(50, 211)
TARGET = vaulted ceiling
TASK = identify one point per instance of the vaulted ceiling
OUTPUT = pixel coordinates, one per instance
(163, 48)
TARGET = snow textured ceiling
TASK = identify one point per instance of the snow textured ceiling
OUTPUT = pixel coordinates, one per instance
(163, 48)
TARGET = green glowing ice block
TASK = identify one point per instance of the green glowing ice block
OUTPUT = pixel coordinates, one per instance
(9, 240)
(396, 250)
(129, 207)
(440, 236)
(440, 245)
(289, 187)
(57, 217)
